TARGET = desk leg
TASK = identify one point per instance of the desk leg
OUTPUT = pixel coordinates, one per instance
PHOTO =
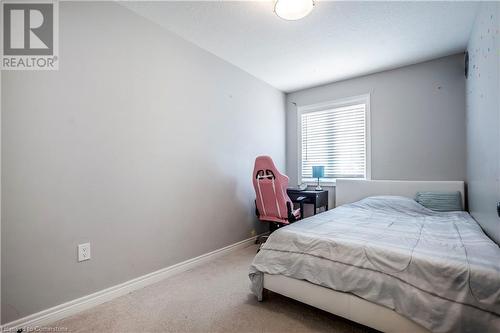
(314, 209)
(301, 210)
(326, 207)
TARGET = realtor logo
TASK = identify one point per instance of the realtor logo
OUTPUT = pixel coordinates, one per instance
(29, 38)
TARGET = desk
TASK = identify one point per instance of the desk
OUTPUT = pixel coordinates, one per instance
(317, 198)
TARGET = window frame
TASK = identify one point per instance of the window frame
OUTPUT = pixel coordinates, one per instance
(359, 99)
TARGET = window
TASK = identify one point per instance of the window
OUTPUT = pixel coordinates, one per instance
(335, 135)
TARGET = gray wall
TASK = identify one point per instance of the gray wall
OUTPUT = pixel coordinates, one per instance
(141, 144)
(483, 119)
(417, 120)
(0, 195)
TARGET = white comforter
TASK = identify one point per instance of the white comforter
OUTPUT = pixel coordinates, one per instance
(437, 269)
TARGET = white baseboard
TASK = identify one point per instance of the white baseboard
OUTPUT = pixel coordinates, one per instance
(61, 311)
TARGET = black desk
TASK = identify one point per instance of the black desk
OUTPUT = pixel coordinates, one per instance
(317, 198)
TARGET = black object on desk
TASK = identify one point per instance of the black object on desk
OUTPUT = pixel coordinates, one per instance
(317, 198)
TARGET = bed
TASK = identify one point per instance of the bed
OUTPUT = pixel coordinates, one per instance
(385, 261)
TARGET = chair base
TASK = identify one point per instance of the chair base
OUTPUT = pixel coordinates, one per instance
(261, 239)
(273, 226)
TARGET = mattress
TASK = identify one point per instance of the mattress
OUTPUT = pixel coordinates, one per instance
(438, 269)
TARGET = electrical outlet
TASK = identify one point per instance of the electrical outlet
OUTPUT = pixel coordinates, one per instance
(83, 252)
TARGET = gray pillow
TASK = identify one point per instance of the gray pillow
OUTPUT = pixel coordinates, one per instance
(440, 201)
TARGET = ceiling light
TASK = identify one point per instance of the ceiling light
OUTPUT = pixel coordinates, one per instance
(293, 9)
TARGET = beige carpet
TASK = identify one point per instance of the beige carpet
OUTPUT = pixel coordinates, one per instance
(214, 297)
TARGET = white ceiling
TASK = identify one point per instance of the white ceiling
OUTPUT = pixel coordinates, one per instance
(338, 40)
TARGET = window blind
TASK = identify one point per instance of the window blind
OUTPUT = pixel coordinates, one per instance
(336, 139)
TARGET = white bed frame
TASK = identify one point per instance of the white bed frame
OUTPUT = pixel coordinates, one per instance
(348, 305)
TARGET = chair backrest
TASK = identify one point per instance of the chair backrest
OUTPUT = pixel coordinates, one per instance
(270, 188)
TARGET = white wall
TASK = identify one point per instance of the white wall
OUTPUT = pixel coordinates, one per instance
(417, 120)
(141, 144)
(483, 119)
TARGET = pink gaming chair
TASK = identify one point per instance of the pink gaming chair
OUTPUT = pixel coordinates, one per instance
(272, 203)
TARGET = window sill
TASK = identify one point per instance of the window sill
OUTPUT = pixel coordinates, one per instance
(325, 183)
